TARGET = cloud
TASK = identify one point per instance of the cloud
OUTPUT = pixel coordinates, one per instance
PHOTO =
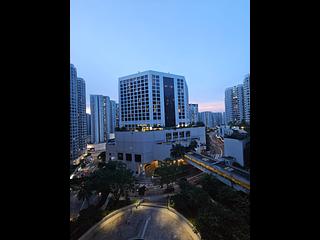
(211, 106)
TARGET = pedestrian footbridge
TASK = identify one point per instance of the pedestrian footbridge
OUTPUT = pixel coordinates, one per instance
(234, 177)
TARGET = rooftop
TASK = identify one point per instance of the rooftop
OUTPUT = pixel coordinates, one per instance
(149, 72)
(239, 135)
(146, 129)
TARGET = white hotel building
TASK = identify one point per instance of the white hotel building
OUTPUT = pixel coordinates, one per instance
(153, 98)
(153, 108)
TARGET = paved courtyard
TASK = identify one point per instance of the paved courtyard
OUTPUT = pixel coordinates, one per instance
(153, 223)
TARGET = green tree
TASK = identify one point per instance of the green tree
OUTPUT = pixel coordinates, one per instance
(102, 156)
(234, 200)
(168, 173)
(208, 141)
(84, 192)
(111, 177)
(177, 151)
(193, 145)
(216, 222)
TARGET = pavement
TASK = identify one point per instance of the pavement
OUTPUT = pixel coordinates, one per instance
(156, 223)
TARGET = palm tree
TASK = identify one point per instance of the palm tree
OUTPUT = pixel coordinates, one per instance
(193, 145)
(84, 193)
(177, 151)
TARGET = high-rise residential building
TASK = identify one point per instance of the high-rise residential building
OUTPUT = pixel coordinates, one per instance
(100, 107)
(88, 116)
(199, 117)
(117, 115)
(153, 98)
(78, 130)
(240, 102)
(237, 102)
(246, 96)
(224, 118)
(206, 118)
(74, 142)
(113, 115)
(234, 105)
(217, 118)
(193, 113)
(82, 119)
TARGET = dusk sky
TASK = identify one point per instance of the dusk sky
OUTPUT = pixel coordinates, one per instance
(207, 41)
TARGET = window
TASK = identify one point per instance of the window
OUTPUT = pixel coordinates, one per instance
(168, 136)
(128, 157)
(120, 156)
(181, 134)
(137, 158)
(175, 135)
(188, 133)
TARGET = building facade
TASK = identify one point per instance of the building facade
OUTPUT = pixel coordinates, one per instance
(117, 115)
(153, 98)
(237, 102)
(113, 115)
(236, 148)
(217, 119)
(138, 149)
(78, 127)
(234, 105)
(224, 118)
(246, 96)
(82, 118)
(206, 118)
(74, 141)
(88, 116)
(193, 113)
(100, 108)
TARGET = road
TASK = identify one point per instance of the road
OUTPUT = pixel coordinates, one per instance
(217, 144)
(162, 225)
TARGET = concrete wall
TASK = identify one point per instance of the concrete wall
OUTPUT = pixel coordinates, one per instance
(151, 145)
(235, 148)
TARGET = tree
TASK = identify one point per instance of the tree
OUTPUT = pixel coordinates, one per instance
(193, 145)
(177, 151)
(83, 165)
(234, 200)
(168, 173)
(102, 156)
(111, 177)
(208, 140)
(84, 192)
(190, 199)
(216, 222)
(142, 190)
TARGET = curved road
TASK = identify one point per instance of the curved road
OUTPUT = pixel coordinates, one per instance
(155, 223)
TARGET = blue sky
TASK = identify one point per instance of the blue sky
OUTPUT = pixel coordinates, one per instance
(207, 41)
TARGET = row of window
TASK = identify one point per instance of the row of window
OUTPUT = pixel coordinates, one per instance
(174, 135)
(156, 99)
(181, 109)
(125, 81)
(134, 99)
(137, 157)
